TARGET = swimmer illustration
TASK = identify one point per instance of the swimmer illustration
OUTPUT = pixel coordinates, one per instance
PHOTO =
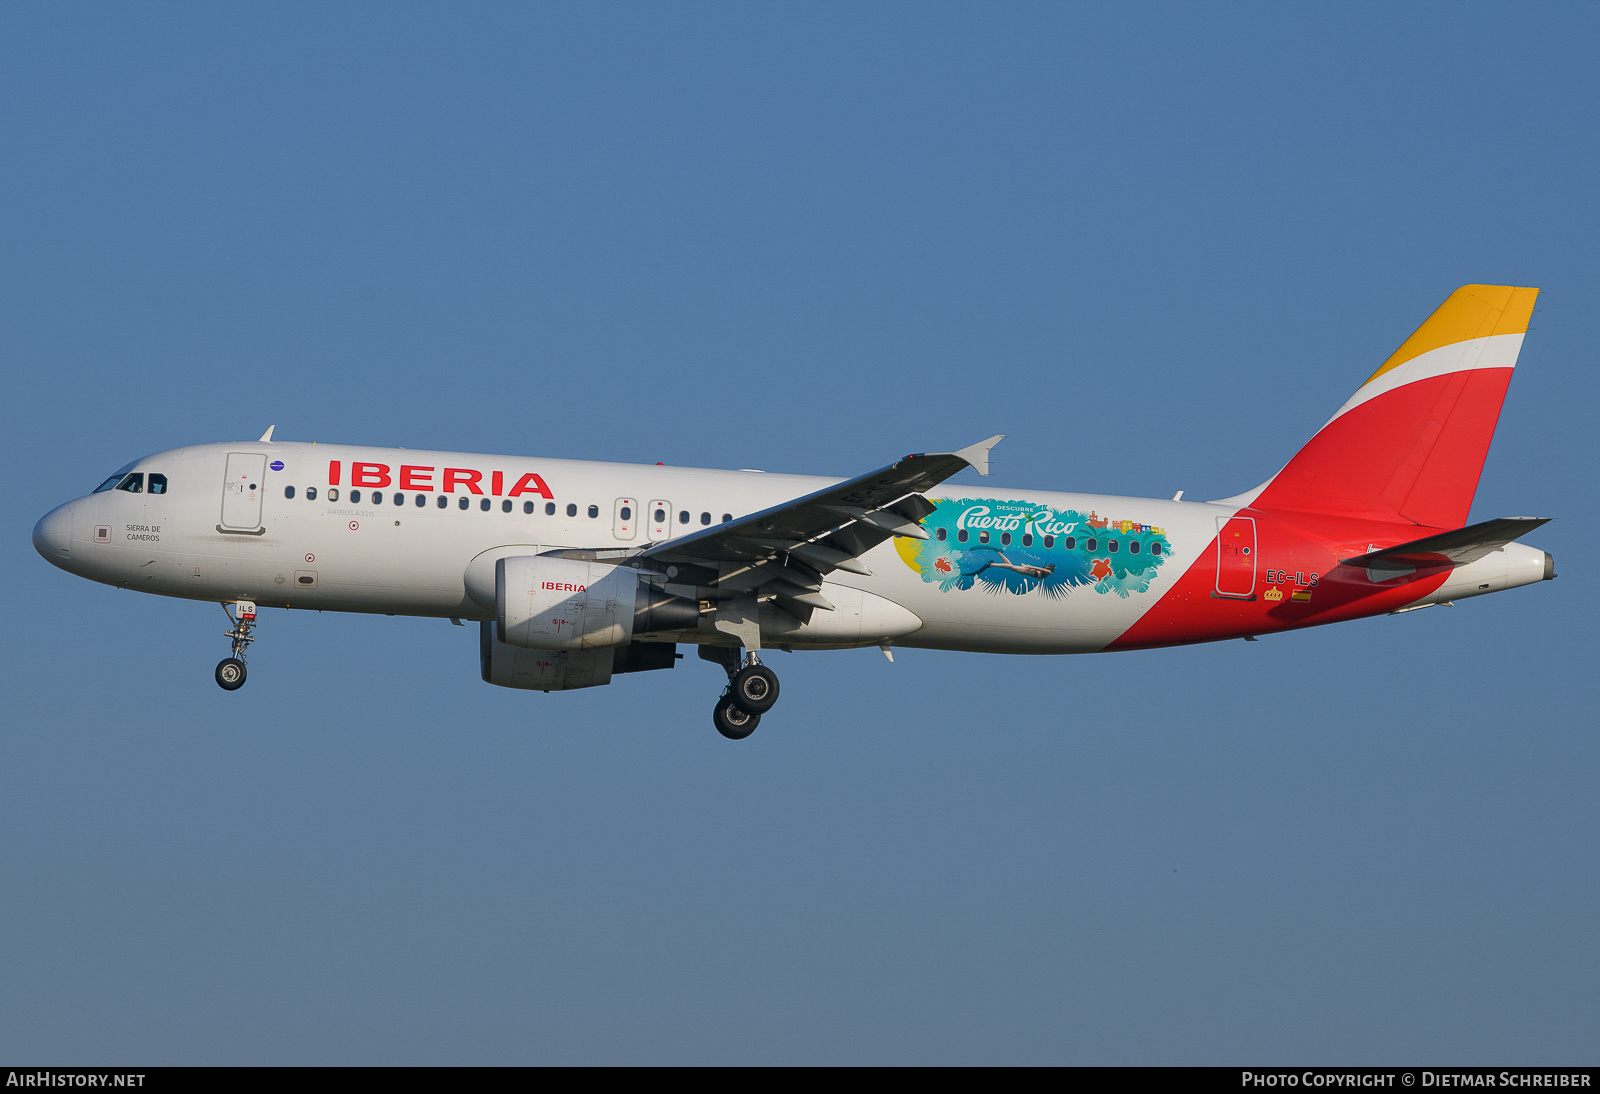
(1005, 563)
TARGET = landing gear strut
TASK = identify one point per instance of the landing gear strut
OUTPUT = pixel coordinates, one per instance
(230, 670)
(752, 690)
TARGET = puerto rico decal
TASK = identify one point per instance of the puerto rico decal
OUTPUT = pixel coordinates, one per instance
(1019, 547)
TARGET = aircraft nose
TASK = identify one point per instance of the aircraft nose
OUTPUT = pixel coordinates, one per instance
(52, 536)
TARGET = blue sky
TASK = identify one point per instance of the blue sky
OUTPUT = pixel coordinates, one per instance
(1156, 246)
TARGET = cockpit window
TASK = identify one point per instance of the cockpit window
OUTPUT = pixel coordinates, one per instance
(133, 484)
(109, 483)
(158, 483)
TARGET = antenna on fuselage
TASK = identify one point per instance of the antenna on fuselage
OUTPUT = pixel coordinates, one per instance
(266, 438)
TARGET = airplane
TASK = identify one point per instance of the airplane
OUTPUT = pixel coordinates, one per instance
(578, 572)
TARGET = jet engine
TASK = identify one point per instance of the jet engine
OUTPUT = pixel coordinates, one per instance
(545, 602)
(562, 623)
(544, 670)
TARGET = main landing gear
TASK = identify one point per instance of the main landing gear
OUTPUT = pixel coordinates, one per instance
(752, 690)
(230, 670)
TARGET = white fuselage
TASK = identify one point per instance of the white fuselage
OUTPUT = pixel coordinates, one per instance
(330, 552)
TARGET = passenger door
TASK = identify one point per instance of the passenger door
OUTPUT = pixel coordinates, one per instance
(242, 489)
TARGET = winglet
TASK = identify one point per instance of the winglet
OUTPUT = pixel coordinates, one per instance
(977, 455)
(266, 438)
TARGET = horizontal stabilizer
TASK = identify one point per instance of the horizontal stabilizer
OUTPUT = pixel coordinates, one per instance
(1459, 547)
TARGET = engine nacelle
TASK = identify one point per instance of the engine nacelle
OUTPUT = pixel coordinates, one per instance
(544, 602)
(545, 670)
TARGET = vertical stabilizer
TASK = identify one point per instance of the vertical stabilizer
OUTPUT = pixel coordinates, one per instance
(1409, 445)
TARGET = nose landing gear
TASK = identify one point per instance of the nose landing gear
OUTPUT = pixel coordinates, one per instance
(752, 690)
(231, 670)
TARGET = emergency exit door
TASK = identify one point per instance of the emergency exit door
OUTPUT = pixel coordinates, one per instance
(242, 488)
(625, 518)
(1236, 558)
(660, 520)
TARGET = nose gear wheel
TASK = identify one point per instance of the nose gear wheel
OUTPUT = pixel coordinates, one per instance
(230, 674)
(230, 670)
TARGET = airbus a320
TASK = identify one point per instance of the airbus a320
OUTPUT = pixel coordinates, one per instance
(577, 572)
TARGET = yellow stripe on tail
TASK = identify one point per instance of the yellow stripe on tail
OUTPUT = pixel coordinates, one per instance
(1472, 311)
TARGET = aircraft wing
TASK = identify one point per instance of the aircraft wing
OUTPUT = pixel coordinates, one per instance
(786, 550)
(1459, 547)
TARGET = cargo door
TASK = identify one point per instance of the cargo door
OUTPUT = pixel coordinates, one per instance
(242, 487)
(1236, 558)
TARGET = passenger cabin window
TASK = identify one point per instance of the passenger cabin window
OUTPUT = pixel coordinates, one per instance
(1112, 545)
(572, 510)
(527, 507)
(505, 506)
(355, 496)
(627, 513)
(1027, 540)
(133, 484)
(158, 483)
(399, 499)
(484, 505)
(422, 499)
(333, 493)
(1090, 544)
(311, 493)
(594, 511)
(726, 517)
(942, 534)
(1133, 547)
(1070, 543)
(983, 537)
(1005, 539)
(444, 502)
(377, 497)
(1049, 541)
(683, 517)
(1155, 548)
(288, 491)
(961, 536)
(705, 518)
(549, 508)
(464, 503)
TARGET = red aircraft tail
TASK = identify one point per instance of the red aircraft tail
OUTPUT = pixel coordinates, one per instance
(1410, 443)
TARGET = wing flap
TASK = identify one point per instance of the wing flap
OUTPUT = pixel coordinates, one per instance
(779, 549)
